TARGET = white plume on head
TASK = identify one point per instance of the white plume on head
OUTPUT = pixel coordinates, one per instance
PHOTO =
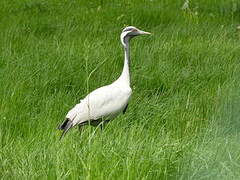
(129, 28)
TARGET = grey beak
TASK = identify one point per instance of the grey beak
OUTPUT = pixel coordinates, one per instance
(143, 32)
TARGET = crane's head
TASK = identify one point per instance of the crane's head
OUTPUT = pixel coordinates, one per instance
(130, 32)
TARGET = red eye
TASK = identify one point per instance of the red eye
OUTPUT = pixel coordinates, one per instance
(134, 30)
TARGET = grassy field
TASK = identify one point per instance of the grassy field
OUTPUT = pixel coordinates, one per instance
(183, 121)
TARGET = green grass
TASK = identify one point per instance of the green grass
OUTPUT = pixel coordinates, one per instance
(183, 120)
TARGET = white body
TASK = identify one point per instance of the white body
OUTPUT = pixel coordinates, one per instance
(103, 103)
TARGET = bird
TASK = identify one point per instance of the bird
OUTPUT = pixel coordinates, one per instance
(105, 103)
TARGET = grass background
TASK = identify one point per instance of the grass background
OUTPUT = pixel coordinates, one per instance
(183, 119)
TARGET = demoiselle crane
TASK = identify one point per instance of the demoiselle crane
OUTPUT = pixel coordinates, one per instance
(105, 103)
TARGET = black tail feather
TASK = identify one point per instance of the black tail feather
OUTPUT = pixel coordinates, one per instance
(65, 126)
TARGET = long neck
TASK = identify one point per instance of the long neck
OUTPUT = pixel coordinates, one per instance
(125, 76)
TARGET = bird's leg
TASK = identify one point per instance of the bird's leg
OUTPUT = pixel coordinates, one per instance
(80, 129)
(125, 109)
(102, 124)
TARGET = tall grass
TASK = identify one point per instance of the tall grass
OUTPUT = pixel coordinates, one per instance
(182, 121)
